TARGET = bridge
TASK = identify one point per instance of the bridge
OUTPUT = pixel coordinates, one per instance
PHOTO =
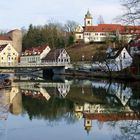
(55, 67)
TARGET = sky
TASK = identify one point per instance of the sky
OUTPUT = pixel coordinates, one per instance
(21, 13)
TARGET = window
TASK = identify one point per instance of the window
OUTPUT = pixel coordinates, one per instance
(9, 48)
(13, 53)
(2, 58)
(88, 22)
(124, 55)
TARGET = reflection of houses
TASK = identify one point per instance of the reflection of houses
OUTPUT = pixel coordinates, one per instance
(10, 100)
(58, 89)
(8, 55)
(15, 100)
(63, 89)
(118, 90)
(34, 55)
(35, 92)
(122, 92)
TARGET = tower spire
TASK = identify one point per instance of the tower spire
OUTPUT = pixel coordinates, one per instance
(88, 19)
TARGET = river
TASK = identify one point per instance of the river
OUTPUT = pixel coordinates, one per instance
(69, 109)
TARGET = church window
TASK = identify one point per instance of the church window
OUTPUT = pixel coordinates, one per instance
(88, 22)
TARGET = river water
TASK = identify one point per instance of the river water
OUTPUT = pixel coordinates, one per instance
(37, 109)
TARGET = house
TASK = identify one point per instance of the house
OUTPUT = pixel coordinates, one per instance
(13, 37)
(119, 59)
(135, 46)
(8, 55)
(102, 32)
(58, 56)
(34, 55)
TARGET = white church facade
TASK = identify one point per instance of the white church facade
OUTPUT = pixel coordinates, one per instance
(101, 32)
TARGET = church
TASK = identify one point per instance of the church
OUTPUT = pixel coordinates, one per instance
(102, 32)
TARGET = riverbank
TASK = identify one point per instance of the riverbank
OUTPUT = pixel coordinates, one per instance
(103, 75)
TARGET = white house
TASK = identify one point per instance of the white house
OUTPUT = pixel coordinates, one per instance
(135, 46)
(58, 56)
(8, 55)
(34, 55)
(119, 60)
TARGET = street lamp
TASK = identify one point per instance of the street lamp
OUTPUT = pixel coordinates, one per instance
(92, 58)
(83, 57)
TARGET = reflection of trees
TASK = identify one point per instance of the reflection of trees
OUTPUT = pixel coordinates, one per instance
(53, 110)
(129, 131)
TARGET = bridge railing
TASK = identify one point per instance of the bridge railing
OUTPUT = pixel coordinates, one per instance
(36, 64)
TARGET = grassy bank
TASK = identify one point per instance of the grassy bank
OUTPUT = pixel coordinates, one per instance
(87, 50)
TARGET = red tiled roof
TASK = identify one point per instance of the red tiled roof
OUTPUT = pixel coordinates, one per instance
(4, 37)
(35, 50)
(112, 28)
(53, 54)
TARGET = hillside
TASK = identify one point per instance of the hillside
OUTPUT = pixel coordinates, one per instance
(87, 50)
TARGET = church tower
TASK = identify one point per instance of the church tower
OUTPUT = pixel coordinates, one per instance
(88, 19)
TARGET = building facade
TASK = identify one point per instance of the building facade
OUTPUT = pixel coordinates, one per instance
(8, 55)
(34, 55)
(57, 56)
(119, 60)
(103, 32)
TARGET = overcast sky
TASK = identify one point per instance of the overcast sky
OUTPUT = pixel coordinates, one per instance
(21, 13)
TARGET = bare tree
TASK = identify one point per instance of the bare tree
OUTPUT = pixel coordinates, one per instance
(131, 12)
(70, 26)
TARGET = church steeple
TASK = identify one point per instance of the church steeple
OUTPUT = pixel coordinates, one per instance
(88, 19)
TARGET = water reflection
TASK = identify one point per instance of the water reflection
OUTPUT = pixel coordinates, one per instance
(97, 103)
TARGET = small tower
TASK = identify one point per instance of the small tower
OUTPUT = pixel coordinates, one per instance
(88, 19)
(16, 36)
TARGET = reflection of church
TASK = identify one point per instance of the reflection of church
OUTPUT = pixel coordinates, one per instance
(102, 113)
